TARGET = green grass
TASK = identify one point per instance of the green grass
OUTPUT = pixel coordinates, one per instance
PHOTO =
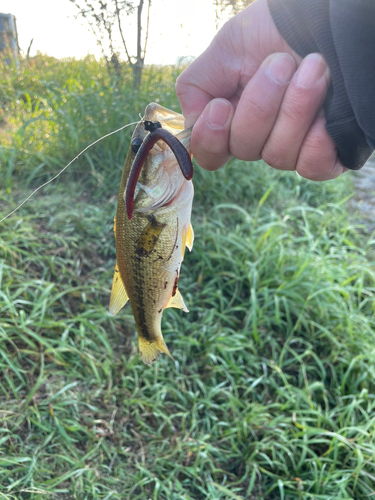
(271, 395)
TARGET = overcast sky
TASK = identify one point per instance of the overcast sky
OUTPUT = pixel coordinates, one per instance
(177, 28)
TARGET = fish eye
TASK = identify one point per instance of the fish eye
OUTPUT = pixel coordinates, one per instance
(136, 144)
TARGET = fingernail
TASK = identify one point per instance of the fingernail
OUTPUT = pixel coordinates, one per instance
(218, 113)
(280, 68)
(310, 72)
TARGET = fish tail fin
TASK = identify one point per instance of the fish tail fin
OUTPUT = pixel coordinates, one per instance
(150, 349)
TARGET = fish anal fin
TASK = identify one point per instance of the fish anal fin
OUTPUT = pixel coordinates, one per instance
(177, 301)
(119, 297)
(150, 350)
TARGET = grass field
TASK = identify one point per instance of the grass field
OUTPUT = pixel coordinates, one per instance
(271, 395)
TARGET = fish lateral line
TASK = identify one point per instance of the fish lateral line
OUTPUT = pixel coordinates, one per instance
(178, 149)
(66, 166)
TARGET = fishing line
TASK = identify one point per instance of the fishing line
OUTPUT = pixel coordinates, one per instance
(66, 166)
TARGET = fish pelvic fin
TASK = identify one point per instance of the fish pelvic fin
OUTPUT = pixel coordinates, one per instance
(119, 297)
(150, 349)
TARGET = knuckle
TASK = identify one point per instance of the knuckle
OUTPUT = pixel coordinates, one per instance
(275, 158)
(181, 85)
(293, 110)
(318, 157)
(316, 168)
(317, 140)
(258, 112)
(211, 162)
(243, 146)
(314, 171)
(244, 154)
(210, 144)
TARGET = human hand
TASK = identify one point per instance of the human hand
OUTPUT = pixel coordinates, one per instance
(249, 95)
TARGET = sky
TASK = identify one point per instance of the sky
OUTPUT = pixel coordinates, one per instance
(178, 28)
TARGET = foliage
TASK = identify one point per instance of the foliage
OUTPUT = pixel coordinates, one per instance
(53, 109)
(104, 18)
(271, 394)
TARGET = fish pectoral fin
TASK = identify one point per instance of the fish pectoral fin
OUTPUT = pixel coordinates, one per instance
(187, 240)
(119, 297)
(190, 237)
(178, 302)
(150, 349)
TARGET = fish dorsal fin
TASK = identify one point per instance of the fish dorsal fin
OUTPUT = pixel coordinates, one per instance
(177, 301)
(190, 237)
(119, 297)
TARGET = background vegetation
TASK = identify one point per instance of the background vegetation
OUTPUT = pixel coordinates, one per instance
(271, 394)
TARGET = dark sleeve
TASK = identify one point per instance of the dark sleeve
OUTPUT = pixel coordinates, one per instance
(344, 32)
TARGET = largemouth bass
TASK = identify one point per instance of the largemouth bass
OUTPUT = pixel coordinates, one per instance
(152, 227)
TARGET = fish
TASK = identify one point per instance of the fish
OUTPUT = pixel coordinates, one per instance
(152, 225)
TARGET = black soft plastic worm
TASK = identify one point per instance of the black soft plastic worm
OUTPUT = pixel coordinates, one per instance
(156, 134)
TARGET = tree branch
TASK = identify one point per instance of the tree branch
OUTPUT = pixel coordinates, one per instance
(121, 33)
(148, 23)
(98, 36)
(139, 32)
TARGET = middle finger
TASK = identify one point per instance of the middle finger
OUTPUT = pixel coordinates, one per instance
(301, 103)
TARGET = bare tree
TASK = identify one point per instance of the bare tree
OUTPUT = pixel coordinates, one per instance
(104, 18)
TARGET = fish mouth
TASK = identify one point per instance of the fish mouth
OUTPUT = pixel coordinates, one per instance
(170, 120)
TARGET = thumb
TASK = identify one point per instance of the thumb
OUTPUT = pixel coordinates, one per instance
(212, 74)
